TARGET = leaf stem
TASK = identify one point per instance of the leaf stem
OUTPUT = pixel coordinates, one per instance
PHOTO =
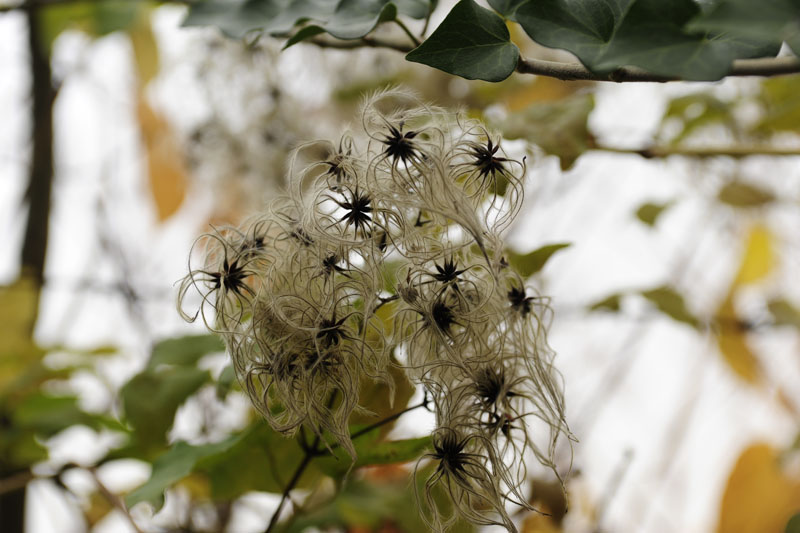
(310, 452)
(408, 32)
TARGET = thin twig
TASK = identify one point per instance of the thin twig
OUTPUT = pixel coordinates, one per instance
(738, 152)
(113, 499)
(369, 42)
(408, 32)
(310, 452)
(16, 481)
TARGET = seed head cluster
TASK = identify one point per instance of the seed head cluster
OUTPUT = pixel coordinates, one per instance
(387, 253)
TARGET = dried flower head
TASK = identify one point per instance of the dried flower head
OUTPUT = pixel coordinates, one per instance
(388, 246)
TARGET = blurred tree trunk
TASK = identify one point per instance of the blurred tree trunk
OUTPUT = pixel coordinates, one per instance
(37, 196)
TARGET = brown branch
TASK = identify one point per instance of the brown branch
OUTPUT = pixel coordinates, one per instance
(765, 67)
(16, 481)
(113, 499)
(310, 452)
(737, 152)
(364, 42)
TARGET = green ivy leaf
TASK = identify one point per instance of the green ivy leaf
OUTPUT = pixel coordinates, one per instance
(177, 463)
(740, 194)
(671, 303)
(770, 20)
(531, 263)
(649, 212)
(559, 128)
(151, 398)
(650, 34)
(184, 351)
(343, 19)
(471, 42)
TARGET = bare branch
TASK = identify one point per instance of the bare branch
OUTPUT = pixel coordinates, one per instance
(735, 151)
(770, 66)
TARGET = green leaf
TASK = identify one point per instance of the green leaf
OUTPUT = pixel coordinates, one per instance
(225, 382)
(671, 303)
(784, 313)
(343, 19)
(184, 351)
(650, 34)
(740, 194)
(471, 42)
(94, 17)
(793, 525)
(260, 459)
(649, 212)
(531, 263)
(697, 111)
(780, 98)
(559, 128)
(610, 303)
(177, 463)
(151, 398)
(47, 415)
(304, 33)
(767, 20)
(370, 453)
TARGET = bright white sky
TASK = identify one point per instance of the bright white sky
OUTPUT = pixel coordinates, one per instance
(678, 418)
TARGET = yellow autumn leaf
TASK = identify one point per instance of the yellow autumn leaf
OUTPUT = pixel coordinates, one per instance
(538, 523)
(759, 256)
(166, 169)
(732, 341)
(759, 497)
(145, 49)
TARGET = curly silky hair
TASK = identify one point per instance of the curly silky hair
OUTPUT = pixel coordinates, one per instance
(295, 293)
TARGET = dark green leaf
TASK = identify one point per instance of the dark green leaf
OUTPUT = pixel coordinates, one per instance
(19, 447)
(226, 382)
(671, 303)
(767, 20)
(174, 465)
(184, 351)
(793, 525)
(150, 400)
(784, 313)
(370, 453)
(650, 34)
(559, 128)
(611, 303)
(471, 42)
(531, 263)
(649, 212)
(344, 19)
(47, 415)
(740, 194)
(261, 459)
(307, 32)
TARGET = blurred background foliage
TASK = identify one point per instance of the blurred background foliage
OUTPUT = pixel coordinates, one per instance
(730, 284)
